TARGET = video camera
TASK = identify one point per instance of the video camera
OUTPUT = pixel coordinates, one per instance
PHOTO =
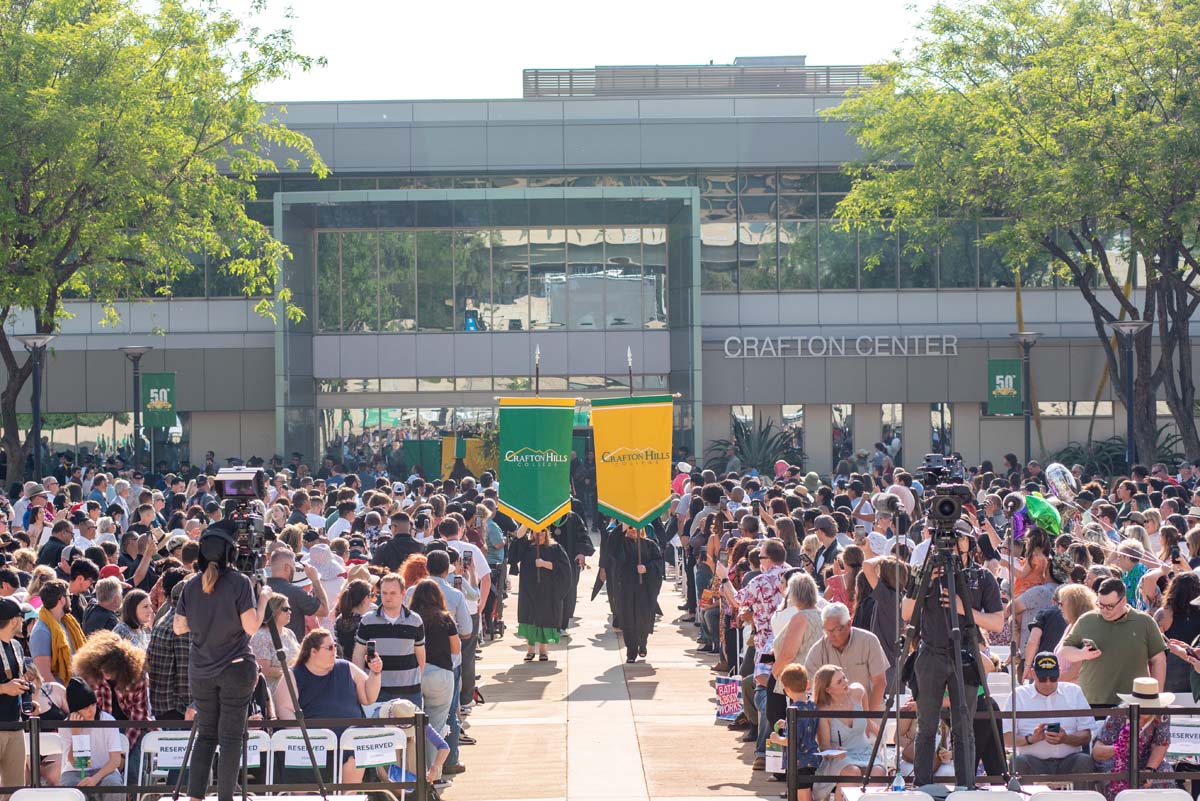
(237, 487)
(946, 499)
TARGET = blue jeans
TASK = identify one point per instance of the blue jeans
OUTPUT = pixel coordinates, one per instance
(764, 725)
(455, 727)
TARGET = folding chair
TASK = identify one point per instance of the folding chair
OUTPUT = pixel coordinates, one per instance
(47, 794)
(906, 795)
(153, 745)
(1067, 795)
(351, 736)
(984, 795)
(291, 741)
(1165, 794)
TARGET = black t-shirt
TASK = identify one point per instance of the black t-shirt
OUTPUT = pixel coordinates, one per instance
(97, 618)
(1053, 626)
(393, 552)
(215, 620)
(438, 631)
(984, 593)
(10, 705)
(51, 552)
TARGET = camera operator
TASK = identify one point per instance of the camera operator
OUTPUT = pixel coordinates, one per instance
(222, 671)
(935, 662)
(12, 686)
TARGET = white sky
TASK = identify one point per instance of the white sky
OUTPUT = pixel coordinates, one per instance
(405, 50)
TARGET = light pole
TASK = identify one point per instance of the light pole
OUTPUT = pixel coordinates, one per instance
(1126, 330)
(1026, 339)
(135, 353)
(36, 345)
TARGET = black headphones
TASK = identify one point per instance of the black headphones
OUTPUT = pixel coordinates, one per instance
(218, 545)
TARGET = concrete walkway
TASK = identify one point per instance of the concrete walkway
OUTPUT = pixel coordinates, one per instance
(587, 727)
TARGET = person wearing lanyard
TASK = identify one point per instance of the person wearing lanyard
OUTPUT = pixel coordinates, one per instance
(12, 743)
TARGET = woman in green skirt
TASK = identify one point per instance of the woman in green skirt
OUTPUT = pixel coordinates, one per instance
(545, 573)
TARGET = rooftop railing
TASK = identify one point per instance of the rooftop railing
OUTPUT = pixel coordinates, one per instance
(697, 80)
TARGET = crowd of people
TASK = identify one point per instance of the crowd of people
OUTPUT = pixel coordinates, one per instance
(799, 584)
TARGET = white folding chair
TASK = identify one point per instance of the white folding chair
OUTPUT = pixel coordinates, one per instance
(1165, 794)
(1067, 795)
(352, 735)
(984, 795)
(47, 794)
(259, 741)
(291, 740)
(152, 746)
(49, 744)
(999, 683)
(905, 795)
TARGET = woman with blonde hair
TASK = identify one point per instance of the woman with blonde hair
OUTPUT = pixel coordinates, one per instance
(293, 536)
(41, 574)
(831, 691)
(1073, 601)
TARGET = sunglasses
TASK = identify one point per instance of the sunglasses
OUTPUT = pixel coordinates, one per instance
(285, 609)
(1110, 607)
(1046, 679)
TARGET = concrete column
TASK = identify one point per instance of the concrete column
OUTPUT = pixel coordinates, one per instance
(774, 413)
(818, 437)
(716, 426)
(868, 425)
(917, 437)
(964, 436)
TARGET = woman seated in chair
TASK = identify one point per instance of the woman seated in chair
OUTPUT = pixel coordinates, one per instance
(328, 687)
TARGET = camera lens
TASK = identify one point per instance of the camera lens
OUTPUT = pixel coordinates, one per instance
(946, 508)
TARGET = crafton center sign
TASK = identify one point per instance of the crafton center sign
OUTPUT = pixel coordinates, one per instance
(826, 347)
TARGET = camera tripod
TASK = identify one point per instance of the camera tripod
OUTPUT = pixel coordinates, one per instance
(289, 682)
(943, 560)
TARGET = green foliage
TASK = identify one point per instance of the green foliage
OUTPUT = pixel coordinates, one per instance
(129, 139)
(758, 446)
(1106, 458)
(58, 422)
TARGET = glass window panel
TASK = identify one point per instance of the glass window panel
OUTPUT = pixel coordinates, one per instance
(397, 307)
(360, 183)
(797, 207)
(553, 383)
(843, 435)
(431, 182)
(624, 294)
(834, 182)
(666, 180)
(892, 430)
(798, 182)
(718, 208)
(329, 281)
(827, 205)
(222, 283)
(360, 281)
(407, 182)
(536, 181)
(718, 257)
(650, 381)
(265, 188)
(918, 260)
(996, 267)
(435, 214)
(435, 384)
(756, 183)
(956, 256)
(397, 385)
(473, 280)
(723, 183)
(757, 207)
(594, 383)
(512, 383)
(262, 212)
(586, 278)
(398, 215)
(942, 427)
(509, 213)
(435, 280)
(793, 424)
(470, 182)
(473, 384)
(743, 413)
(510, 280)
(509, 181)
(654, 278)
(757, 257)
(797, 255)
(838, 252)
(191, 283)
(547, 278)
(471, 214)
(877, 251)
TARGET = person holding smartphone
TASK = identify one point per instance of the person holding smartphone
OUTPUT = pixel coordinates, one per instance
(1048, 744)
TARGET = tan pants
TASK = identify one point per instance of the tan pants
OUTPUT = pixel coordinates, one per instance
(12, 760)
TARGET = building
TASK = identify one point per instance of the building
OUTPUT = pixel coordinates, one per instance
(681, 215)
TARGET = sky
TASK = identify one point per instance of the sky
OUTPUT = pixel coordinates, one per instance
(405, 50)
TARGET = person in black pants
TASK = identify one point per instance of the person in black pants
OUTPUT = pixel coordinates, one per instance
(222, 671)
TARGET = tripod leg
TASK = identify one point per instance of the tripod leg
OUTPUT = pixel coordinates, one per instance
(290, 682)
(187, 760)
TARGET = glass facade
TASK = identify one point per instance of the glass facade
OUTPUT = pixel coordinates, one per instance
(505, 279)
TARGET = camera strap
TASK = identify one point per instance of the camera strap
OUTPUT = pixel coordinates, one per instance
(12, 661)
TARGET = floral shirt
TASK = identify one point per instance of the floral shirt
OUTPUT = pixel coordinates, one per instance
(761, 594)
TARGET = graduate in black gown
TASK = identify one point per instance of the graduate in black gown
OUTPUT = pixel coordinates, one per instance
(634, 572)
(546, 575)
(570, 532)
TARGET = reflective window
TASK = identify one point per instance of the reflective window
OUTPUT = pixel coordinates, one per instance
(435, 280)
(329, 282)
(843, 438)
(396, 278)
(473, 384)
(472, 281)
(360, 281)
(798, 183)
(718, 257)
(918, 261)
(997, 268)
(510, 280)
(942, 425)
(743, 412)
(957, 256)
(877, 253)
(1075, 409)
(756, 183)
(587, 278)
(892, 430)
(547, 278)
(757, 257)
(793, 424)
(723, 183)
(838, 250)
(797, 255)
(654, 279)
(191, 283)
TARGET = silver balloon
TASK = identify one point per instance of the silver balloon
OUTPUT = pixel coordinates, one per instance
(1062, 482)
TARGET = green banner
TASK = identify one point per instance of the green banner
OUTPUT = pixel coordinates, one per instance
(158, 400)
(1004, 386)
(535, 459)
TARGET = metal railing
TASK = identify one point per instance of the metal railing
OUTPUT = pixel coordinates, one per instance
(419, 788)
(1133, 775)
(699, 80)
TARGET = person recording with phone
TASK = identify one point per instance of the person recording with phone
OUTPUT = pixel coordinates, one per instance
(222, 672)
(935, 663)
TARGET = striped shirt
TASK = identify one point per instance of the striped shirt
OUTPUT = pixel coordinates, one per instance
(396, 645)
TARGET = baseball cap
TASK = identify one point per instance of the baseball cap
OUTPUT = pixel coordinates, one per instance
(112, 571)
(1045, 665)
(9, 609)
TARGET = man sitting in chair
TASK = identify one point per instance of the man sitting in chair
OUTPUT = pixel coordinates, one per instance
(1049, 744)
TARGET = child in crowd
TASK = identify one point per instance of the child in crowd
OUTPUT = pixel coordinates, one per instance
(795, 685)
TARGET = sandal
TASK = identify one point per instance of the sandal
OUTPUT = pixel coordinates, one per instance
(529, 656)
(543, 657)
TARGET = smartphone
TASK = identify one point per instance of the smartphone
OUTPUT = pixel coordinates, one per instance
(756, 506)
(1175, 553)
(458, 582)
(1055, 727)
(766, 659)
(860, 532)
(723, 557)
(981, 516)
(1089, 645)
(1194, 653)
(370, 651)
(467, 555)
(27, 702)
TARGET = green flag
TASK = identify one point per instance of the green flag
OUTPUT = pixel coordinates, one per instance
(158, 400)
(535, 459)
(1004, 386)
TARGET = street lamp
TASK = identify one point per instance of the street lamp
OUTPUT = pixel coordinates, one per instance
(1026, 339)
(1126, 330)
(36, 345)
(135, 353)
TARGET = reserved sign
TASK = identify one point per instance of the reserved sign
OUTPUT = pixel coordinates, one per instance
(378, 749)
(295, 754)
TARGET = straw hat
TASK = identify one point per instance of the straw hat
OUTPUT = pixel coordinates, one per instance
(1146, 694)
(361, 573)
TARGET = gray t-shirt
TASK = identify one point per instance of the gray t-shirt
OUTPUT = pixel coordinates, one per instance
(215, 620)
(302, 602)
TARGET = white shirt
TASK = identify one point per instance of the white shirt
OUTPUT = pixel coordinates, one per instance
(919, 553)
(340, 526)
(104, 743)
(315, 521)
(1065, 696)
(478, 560)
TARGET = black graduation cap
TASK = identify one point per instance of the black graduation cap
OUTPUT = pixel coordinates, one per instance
(234, 461)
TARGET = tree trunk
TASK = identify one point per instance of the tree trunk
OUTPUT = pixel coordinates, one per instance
(15, 450)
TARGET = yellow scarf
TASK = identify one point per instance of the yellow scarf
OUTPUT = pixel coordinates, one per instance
(60, 651)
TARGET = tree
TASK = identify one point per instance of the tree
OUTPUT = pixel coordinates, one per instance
(129, 140)
(1076, 121)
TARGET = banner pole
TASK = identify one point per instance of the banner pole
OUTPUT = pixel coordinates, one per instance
(629, 362)
(537, 370)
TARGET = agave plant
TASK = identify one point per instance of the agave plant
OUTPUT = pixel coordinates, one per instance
(1106, 458)
(757, 446)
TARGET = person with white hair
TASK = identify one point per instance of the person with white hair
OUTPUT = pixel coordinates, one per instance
(855, 651)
